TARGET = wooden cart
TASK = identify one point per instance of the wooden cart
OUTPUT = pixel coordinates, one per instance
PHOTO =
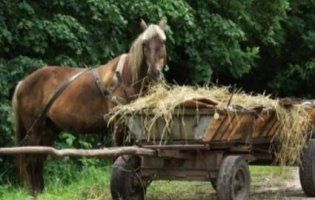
(205, 145)
(201, 144)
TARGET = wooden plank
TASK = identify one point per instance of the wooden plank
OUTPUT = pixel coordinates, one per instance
(259, 123)
(270, 125)
(226, 124)
(233, 125)
(245, 128)
(89, 153)
(265, 125)
(214, 127)
(250, 128)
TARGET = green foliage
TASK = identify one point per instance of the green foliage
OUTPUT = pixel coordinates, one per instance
(295, 72)
(259, 45)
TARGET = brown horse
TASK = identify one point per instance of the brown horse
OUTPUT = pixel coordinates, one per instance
(82, 105)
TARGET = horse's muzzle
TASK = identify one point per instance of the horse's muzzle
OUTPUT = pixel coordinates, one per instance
(154, 74)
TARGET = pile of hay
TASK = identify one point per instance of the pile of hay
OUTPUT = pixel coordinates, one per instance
(162, 100)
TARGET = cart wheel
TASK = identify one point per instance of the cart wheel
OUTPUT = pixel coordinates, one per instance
(307, 169)
(233, 182)
(126, 183)
(214, 183)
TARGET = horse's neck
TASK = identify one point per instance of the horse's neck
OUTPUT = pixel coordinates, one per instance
(108, 74)
(127, 76)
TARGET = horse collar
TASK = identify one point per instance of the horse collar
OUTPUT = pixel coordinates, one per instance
(108, 93)
(121, 63)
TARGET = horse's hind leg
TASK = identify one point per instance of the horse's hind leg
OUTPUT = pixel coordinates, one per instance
(34, 164)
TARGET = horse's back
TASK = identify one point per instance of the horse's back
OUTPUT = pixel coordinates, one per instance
(36, 88)
(79, 108)
(49, 72)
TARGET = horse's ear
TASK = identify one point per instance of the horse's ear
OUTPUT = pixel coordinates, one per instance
(163, 23)
(143, 25)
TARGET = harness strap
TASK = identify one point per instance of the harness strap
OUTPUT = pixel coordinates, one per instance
(105, 92)
(120, 81)
(100, 87)
(51, 101)
(108, 92)
(118, 73)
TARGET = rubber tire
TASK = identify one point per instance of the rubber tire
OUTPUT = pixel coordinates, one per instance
(231, 168)
(123, 177)
(307, 169)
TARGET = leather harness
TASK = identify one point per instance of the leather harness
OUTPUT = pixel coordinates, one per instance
(108, 92)
(105, 92)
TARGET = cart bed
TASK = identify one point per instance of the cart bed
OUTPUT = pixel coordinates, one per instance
(207, 126)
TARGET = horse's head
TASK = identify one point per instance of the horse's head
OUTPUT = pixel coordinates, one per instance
(149, 50)
(154, 50)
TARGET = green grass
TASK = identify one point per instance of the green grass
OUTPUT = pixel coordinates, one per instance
(89, 182)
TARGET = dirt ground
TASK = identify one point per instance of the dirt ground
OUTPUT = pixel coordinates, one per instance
(292, 191)
(265, 187)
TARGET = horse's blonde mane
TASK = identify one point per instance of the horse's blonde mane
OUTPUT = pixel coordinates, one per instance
(136, 50)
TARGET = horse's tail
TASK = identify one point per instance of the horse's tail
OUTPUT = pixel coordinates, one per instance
(19, 128)
(17, 121)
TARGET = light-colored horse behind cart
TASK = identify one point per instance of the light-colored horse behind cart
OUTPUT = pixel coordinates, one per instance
(201, 144)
